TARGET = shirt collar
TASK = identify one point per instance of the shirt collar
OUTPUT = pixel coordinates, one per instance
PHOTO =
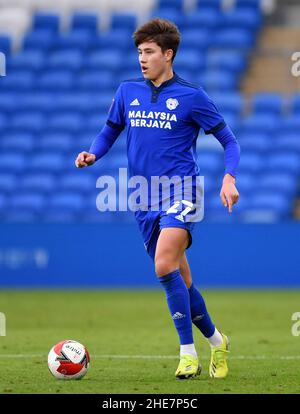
(164, 84)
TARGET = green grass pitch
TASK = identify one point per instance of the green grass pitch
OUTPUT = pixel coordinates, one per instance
(133, 343)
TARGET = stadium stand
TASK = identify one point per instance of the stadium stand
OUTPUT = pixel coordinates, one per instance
(64, 61)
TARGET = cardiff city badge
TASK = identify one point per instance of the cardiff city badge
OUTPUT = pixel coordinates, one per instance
(172, 103)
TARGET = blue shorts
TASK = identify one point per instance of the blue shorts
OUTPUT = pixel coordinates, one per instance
(152, 222)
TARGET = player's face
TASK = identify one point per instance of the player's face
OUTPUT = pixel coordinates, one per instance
(153, 60)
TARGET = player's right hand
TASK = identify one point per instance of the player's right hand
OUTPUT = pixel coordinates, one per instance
(84, 159)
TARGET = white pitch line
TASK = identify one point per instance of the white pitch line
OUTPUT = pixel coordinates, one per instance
(239, 357)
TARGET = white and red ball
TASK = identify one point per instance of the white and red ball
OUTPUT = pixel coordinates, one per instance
(68, 360)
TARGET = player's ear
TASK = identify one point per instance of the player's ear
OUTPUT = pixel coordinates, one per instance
(169, 55)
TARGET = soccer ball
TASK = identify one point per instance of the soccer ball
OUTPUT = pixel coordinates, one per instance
(68, 360)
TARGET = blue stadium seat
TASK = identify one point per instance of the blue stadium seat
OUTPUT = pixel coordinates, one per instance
(103, 101)
(116, 161)
(171, 4)
(19, 216)
(211, 185)
(31, 60)
(85, 21)
(92, 215)
(3, 122)
(210, 162)
(295, 104)
(5, 44)
(254, 4)
(71, 201)
(12, 162)
(20, 142)
(230, 60)
(268, 103)
(251, 163)
(278, 203)
(126, 74)
(199, 39)
(213, 202)
(20, 80)
(215, 212)
(9, 183)
(232, 120)
(188, 75)
(245, 18)
(48, 162)
(126, 21)
(66, 59)
(34, 202)
(3, 202)
(46, 21)
(229, 102)
(95, 122)
(78, 40)
(84, 141)
(56, 80)
(72, 101)
(132, 61)
(65, 122)
(41, 40)
(117, 40)
(81, 182)
(39, 101)
(218, 80)
(40, 183)
(279, 183)
(56, 142)
(234, 39)
(247, 183)
(260, 143)
(203, 18)
(284, 162)
(58, 215)
(259, 123)
(189, 59)
(9, 102)
(27, 121)
(172, 14)
(288, 142)
(289, 124)
(105, 60)
(217, 4)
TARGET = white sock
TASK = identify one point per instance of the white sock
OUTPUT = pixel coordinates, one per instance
(188, 349)
(216, 339)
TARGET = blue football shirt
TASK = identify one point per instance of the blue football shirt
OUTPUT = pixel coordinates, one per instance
(163, 124)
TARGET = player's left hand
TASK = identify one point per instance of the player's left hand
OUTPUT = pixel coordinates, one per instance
(229, 193)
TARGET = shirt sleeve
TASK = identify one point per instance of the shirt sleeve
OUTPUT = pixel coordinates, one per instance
(116, 115)
(206, 114)
(231, 150)
(104, 141)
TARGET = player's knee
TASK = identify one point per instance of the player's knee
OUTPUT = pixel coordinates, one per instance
(164, 266)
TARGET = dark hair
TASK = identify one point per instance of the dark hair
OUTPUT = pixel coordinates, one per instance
(163, 32)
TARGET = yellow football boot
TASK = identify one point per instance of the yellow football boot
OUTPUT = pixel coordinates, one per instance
(188, 367)
(218, 365)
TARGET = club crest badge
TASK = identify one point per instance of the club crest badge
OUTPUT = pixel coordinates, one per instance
(172, 103)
